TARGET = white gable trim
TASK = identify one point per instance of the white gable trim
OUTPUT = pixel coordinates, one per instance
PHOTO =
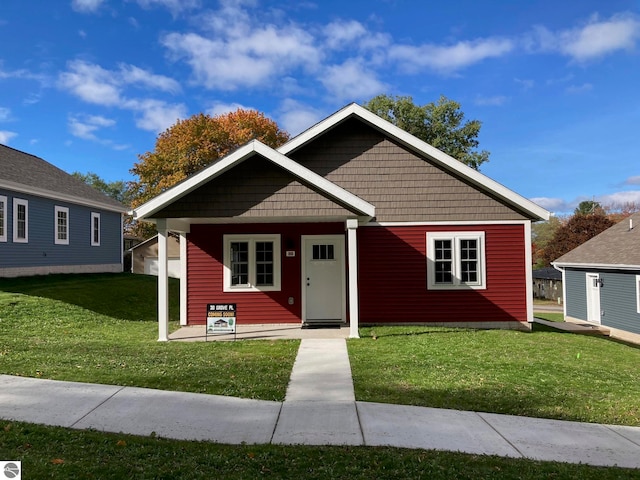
(303, 174)
(419, 146)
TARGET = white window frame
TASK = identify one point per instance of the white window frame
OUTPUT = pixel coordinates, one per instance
(638, 293)
(56, 238)
(3, 220)
(95, 216)
(16, 203)
(456, 238)
(252, 240)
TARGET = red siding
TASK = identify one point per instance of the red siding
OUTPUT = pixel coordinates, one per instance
(205, 271)
(393, 277)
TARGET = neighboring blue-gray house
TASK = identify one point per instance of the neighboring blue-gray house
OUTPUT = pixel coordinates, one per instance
(601, 279)
(51, 222)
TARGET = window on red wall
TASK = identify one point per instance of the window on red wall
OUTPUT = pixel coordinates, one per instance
(455, 260)
(251, 263)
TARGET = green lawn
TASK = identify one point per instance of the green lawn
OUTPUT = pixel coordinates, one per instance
(543, 374)
(50, 452)
(550, 316)
(102, 329)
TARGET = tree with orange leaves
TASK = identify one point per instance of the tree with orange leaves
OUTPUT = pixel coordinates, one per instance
(192, 144)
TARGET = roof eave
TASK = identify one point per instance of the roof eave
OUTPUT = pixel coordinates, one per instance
(603, 266)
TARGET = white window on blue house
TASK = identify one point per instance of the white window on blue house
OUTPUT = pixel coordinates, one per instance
(20, 220)
(456, 260)
(251, 263)
(61, 219)
(3, 218)
(95, 229)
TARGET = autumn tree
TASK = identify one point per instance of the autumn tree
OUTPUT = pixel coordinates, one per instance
(440, 124)
(577, 230)
(542, 234)
(192, 144)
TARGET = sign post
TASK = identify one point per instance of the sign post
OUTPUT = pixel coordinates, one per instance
(221, 319)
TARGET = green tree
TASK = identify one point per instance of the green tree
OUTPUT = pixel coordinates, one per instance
(588, 207)
(117, 190)
(440, 124)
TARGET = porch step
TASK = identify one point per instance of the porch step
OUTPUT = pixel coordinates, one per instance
(570, 327)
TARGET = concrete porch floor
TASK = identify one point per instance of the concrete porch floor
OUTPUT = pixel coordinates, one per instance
(280, 331)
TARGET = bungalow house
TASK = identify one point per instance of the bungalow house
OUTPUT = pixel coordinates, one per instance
(354, 220)
(51, 222)
(601, 280)
(547, 284)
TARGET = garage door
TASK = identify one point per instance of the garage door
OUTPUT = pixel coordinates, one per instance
(151, 266)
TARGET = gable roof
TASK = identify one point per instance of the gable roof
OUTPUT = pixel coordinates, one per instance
(255, 147)
(26, 173)
(420, 147)
(547, 273)
(617, 247)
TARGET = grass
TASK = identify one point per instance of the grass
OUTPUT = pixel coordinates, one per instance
(547, 375)
(52, 452)
(102, 329)
(550, 316)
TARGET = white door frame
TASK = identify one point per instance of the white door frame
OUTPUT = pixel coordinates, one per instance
(593, 297)
(303, 278)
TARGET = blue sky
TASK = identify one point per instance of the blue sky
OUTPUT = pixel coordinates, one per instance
(89, 84)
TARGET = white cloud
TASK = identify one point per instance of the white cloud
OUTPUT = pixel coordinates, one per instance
(91, 83)
(616, 199)
(5, 114)
(131, 74)
(85, 126)
(6, 136)
(296, 117)
(156, 115)
(447, 59)
(578, 89)
(222, 108)
(86, 6)
(243, 55)
(525, 83)
(556, 205)
(352, 81)
(494, 101)
(592, 40)
(620, 198)
(341, 34)
(632, 180)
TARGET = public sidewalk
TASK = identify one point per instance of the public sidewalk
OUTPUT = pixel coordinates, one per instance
(319, 409)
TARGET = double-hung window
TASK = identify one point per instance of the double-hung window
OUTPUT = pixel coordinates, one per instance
(95, 229)
(251, 262)
(61, 219)
(3, 218)
(455, 260)
(20, 220)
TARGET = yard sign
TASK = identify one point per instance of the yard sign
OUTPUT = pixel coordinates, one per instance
(221, 318)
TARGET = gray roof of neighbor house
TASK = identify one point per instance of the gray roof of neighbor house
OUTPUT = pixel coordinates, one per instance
(616, 247)
(547, 273)
(27, 173)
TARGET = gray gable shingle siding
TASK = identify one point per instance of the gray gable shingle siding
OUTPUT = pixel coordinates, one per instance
(22, 171)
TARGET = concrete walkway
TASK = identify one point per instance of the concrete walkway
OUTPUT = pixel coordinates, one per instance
(319, 408)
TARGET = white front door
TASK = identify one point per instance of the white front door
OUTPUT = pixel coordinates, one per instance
(323, 279)
(593, 297)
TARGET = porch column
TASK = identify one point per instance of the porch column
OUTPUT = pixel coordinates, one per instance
(528, 259)
(352, 248)
(183, 278)
(163, 281)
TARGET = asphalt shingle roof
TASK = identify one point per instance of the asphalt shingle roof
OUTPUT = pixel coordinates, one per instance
(33, 172)
(618, 245)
